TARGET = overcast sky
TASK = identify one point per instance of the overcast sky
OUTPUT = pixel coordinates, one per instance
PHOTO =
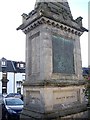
(13, 42)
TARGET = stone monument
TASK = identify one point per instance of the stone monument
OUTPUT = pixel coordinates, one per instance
(54, 84)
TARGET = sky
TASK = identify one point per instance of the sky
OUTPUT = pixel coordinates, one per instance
(13, 42)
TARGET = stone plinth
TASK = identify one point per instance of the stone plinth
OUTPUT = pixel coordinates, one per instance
(53, 102)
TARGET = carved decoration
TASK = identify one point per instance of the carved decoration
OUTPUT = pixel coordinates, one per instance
(54, 24)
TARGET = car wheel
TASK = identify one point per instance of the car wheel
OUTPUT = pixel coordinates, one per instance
(7, 116)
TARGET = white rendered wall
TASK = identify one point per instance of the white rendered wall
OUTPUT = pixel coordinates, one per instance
(10, 77)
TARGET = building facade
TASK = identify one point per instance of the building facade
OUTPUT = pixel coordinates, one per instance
(86, 72)
(12, 75)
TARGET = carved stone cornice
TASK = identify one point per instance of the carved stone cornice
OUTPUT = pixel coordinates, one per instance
(57, 14)
(44, 20)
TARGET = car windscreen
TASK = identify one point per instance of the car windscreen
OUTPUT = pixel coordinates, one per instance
(14, 102)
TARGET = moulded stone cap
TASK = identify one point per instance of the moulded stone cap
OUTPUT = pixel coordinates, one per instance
(51, 0)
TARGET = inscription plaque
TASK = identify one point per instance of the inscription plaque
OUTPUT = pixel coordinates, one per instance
(65, 97)
(63, 56)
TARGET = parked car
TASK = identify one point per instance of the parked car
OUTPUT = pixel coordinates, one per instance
(11, 108)
(16, 95)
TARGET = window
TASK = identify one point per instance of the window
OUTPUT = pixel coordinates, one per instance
(19, 90)
(17, 64)
(3, 63)
(22, 65)
(23, 77)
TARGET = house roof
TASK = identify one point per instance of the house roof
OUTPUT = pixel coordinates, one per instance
(12, 66)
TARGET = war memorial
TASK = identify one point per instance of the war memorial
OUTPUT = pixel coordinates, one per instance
(54, 86)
